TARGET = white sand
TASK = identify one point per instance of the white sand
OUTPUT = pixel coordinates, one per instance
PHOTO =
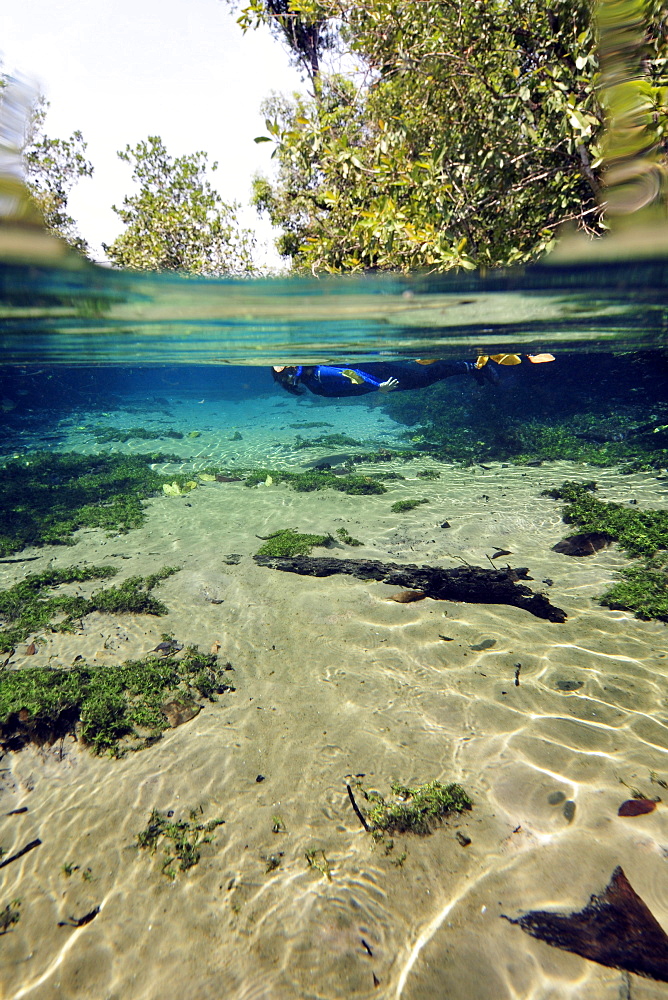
(333, 680)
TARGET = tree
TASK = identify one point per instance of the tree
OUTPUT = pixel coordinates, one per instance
(177, 221)
(306, 37)
(53, 167)
(475, 137)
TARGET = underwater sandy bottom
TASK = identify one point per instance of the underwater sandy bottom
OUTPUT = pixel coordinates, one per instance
(333, 681)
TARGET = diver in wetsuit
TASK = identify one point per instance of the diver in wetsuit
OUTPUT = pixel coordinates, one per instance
(383, 376)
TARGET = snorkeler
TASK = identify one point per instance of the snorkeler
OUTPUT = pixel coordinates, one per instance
(387, 376)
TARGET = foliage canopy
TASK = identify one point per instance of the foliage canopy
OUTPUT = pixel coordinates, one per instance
(473, 133)
(177, 221)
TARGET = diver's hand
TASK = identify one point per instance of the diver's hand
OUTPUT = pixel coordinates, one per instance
(388, 386)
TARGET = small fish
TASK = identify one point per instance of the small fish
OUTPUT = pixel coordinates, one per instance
(407, 596)
(485, 644)
(228, 479)
(501, 552)
(80, 921)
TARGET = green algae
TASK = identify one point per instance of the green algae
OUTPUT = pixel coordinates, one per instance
(643, 534)
(105, 435)
(183, 837)
(344, 535)
(327, 441)
(642, 589)
(616, 415)
(639, 532)
(401, 506)
(287, 542)
(415, 810)
(30, 605)
(106, 705)
(9, 916)
(316, 479)
(46, 497)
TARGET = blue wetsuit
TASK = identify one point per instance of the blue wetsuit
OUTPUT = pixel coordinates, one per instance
(330, 380)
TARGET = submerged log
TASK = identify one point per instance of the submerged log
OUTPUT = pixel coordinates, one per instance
(616, 928)
(470, 584)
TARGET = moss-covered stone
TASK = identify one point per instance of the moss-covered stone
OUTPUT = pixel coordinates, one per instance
(287, 542)
(643, 586)
(415, 810)
(109, 704)
(639, 532)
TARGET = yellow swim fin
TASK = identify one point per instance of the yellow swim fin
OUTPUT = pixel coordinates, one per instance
(353, 376)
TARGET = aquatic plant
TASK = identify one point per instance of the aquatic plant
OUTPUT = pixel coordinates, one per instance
(317, 479)
(9, 916)
(347, 538)
(288, 542)
(185, 837)
(45, 497)
(28, 606)
(105, 704)
(104, 435)
(642, 589)
(415, 810)
(639, 532)
(327, 441)
(401, 506)
(316, 858)
(643, 586)
(618, 416)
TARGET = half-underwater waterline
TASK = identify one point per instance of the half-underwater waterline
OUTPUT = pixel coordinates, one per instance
(300, 697)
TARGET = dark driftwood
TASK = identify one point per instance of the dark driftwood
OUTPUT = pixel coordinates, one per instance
(472, 584)
(616, 928)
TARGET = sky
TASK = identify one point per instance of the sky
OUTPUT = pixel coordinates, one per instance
(121, 70)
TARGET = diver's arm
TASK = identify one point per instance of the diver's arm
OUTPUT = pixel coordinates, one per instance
(388, 386)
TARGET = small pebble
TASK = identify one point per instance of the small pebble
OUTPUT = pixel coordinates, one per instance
(569, 810)
(554, 798)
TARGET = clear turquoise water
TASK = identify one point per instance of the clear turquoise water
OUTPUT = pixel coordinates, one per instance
(333, 679)
(99, 316)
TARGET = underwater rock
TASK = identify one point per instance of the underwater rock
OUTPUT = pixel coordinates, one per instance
(636, 807)
(469, 584)
(585, 544)
(180, 710)
(329, 461)
(567, 685)
(168, 648)
(616, 928)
